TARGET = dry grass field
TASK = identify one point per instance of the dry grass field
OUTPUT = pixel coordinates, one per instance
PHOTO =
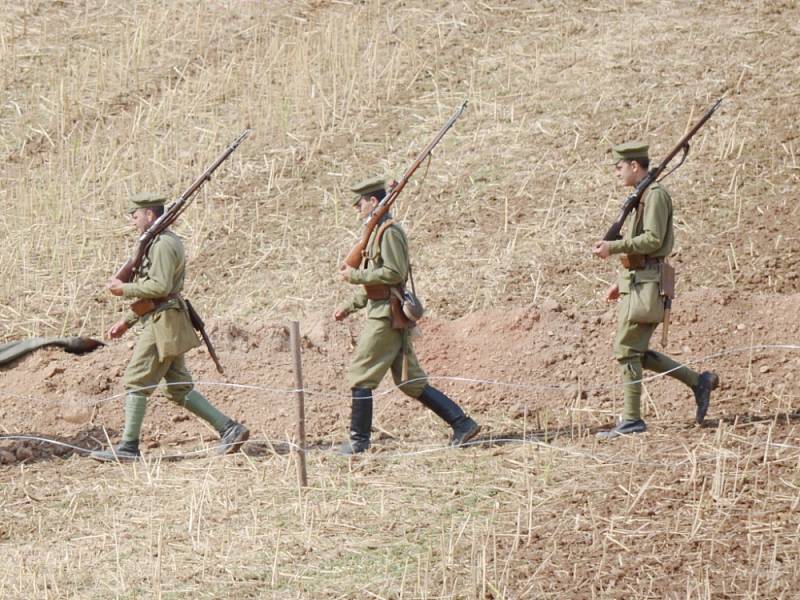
(103, 99)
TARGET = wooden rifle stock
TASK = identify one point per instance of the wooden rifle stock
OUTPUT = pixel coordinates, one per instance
(125, 272)
(355, 256)
(632, 201)
(172, 212)
(353, 259)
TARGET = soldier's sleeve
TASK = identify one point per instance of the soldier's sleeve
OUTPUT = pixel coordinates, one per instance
(164, 260)
(394, 253)
(357, 302)
(654, 226)
(131, 318)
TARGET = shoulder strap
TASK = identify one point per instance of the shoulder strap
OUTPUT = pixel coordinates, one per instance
(375, 247)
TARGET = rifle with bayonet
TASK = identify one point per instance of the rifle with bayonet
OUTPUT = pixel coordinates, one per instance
(127, 272)
(356, 255)
(171, 214)
(633, 199)
(667, 278)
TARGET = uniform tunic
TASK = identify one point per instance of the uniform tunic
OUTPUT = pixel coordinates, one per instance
(167, 332)
(380, 347)
(650, 234)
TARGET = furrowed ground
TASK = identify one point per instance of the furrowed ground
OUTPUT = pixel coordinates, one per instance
(100, 100)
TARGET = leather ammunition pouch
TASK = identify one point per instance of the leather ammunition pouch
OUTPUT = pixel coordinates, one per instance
(398, 317)
(410, 305)
(144, 306)
(405, 305)
(633, 262)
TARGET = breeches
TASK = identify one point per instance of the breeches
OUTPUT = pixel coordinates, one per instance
(145, 371)
(380, 348)
(633, 339)
(631, 351)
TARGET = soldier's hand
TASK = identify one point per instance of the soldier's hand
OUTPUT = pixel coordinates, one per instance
(340, 315)
(117, 330)
(612, 293)
(601, 249)
(344, 272)
(114, 286)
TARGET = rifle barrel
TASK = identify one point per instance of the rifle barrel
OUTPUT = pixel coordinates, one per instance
(353, 259)
(689, 135)
(176, 208)
(389, 199)
(632, 200)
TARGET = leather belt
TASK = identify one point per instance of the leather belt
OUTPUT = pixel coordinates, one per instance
(377, 292)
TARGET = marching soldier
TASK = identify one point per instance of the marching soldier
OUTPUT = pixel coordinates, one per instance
(645, 248)
(381, 346)
(166, 335)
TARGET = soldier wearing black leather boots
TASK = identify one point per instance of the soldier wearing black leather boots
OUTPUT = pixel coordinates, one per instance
(383, 345)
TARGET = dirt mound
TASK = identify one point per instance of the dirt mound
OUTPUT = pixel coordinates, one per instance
(550, 366)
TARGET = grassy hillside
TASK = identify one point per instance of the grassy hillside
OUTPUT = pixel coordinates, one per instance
(103, 99)
(100, 100)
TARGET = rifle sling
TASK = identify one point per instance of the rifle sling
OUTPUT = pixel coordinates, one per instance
(379, 291)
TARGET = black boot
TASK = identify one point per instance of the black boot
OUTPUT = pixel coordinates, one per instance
(360, 422)
(124, 452)
(231, 437)
(464, 428)
(708, 381)
(623, 428)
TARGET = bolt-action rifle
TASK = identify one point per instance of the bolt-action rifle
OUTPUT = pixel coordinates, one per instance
(633, 199)
(127, 272)
(356, 255)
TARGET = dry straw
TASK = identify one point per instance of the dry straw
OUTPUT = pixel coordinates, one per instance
(102, 99)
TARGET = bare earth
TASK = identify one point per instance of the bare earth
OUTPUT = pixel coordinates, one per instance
(99, 101)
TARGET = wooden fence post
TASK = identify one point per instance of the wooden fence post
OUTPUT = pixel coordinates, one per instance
(300, 447)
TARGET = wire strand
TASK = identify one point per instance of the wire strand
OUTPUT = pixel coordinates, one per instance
(454, 378)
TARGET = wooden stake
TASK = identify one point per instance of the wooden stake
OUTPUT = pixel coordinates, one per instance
(300, 448)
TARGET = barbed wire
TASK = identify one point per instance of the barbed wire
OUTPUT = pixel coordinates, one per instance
(454, 378)
(461, 379)
(603, 460)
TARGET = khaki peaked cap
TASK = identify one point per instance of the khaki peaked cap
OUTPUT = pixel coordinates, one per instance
(366, 187)
(628, 151)
(146, 200)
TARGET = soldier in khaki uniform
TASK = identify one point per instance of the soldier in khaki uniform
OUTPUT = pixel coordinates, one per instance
(647, 244)
(166, 335)
(381, 347)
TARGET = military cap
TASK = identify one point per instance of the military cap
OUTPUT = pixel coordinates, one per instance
(146, 200)
(366, 187)
(628, 151)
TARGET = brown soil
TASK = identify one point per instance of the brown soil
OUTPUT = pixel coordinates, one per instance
(514, 370)
(102, 99)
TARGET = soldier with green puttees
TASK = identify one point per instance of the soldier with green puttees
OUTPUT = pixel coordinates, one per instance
(639, 290)
(166, 335)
